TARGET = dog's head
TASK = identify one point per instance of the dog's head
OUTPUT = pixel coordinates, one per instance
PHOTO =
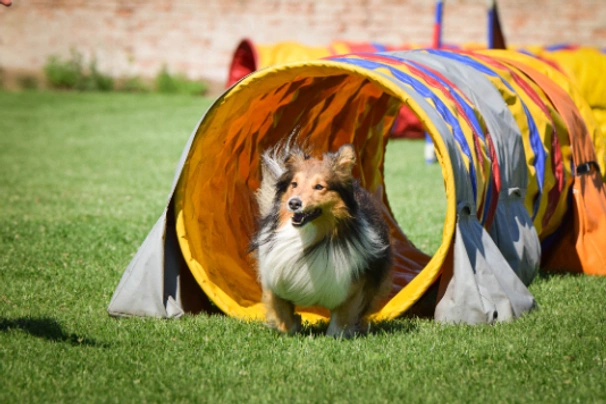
(317, 190)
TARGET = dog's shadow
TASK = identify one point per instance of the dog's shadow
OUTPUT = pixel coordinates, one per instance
(407, 323)
(398, 326)
(46, 328)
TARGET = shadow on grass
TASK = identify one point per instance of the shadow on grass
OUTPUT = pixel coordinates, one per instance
(546, 275)
(407, 323)
(48, 329)
(400, 326)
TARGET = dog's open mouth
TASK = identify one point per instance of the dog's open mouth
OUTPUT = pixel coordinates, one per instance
(302, 218)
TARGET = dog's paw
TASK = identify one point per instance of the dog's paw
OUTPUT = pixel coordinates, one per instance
(287, 327)
(345, 332)
(296, 326)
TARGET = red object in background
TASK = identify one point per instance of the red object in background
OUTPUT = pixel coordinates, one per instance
(243, 63)
(246, 61)
(407, 125)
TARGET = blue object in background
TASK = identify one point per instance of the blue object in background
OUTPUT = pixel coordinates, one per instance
(430, 154)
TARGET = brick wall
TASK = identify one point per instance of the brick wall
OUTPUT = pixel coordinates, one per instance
(197, 37)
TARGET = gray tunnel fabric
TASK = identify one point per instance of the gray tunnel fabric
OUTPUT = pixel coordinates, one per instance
(150, 285)
(484, 288)
(512, 228)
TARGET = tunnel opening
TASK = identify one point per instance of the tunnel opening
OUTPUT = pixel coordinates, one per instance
(215, 208)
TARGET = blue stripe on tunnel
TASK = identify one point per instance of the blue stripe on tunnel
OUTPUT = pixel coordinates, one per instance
(535, 139)
(467, 109)
(425, 92)
(379, 47)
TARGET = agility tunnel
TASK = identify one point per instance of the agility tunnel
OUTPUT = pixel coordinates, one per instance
(250, 56)
(513, 138)
(583, 66)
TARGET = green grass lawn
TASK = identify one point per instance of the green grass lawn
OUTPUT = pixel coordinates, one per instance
(83, 177)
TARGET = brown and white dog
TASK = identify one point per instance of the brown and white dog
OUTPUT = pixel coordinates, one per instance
(321, 241)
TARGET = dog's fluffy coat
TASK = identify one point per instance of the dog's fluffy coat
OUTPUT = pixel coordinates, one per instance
(322, 240)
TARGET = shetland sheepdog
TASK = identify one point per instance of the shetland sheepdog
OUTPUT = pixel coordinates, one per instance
(322, 240)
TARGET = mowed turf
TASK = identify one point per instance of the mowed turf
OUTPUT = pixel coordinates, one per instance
(83, 177)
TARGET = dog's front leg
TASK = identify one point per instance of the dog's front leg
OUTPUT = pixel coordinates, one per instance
(280, 313)
(347, 319)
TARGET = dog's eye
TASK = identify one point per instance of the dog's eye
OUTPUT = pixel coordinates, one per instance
(294, 184)
(319, 187)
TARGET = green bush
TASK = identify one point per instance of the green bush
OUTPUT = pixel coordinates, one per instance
(97, 81)
(64, 74)
(71, 75)
(178, 84)
(165, 83)
(134, 84)
(28, 82)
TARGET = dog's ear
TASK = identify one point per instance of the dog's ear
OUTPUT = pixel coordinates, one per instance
(345, 160)
(294, 157)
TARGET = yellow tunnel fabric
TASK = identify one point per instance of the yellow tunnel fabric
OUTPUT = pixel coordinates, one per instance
(333, 103)
(583, 66)
(215, 209)
(546, 198)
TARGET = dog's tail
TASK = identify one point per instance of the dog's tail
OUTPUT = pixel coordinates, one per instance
(272, 167)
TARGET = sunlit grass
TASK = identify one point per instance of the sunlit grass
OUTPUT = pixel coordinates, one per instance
(84, 177)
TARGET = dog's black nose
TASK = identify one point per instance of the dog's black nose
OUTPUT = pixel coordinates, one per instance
(294, 204)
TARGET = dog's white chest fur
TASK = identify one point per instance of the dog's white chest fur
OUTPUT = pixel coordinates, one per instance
(321, 276)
